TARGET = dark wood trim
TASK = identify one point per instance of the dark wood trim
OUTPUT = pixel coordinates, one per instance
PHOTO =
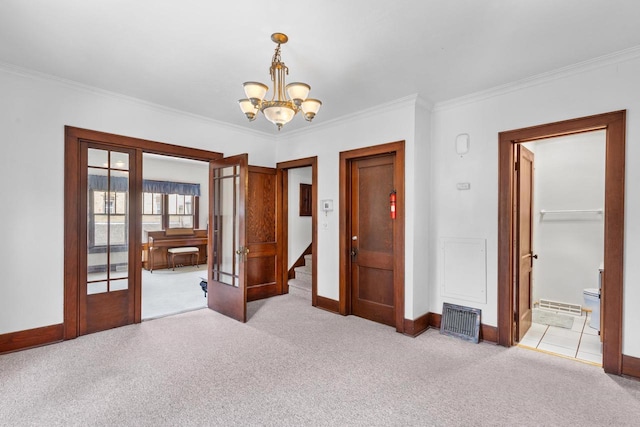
(346, 157)
(29, 338)
(488, 333)
(415, 327)
(282, 221)
(614, 124)
(299, 262)
(631, 366)
(73, 244)
(328, 304)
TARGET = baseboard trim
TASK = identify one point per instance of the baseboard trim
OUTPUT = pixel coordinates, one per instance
(328, 304)
(487, 333)
(21, 340)
(415, 327)
(631, 366)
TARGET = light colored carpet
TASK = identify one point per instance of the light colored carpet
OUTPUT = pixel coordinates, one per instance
(166, 292)
(295, 365)
(552, 319)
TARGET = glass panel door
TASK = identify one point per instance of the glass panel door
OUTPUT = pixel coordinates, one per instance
(227, 289)
(106, 301)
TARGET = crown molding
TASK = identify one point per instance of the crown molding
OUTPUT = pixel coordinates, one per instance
(414, 100)
(28, 73)
(560, 73)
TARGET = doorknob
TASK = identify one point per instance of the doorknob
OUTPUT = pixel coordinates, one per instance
(354, 252)
(535, 256)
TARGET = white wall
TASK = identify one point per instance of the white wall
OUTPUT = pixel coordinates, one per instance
(300, 227)
(166, 168)
(594, 89)
(570, 246)
(33, 113)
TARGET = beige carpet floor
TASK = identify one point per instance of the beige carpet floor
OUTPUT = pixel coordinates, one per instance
(166, 292)
(295, 365)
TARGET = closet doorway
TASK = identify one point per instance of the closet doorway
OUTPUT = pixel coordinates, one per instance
(513, 300)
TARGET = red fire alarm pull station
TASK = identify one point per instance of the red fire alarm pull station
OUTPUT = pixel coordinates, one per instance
(392, 204)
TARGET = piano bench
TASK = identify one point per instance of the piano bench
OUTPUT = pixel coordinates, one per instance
(187, 250)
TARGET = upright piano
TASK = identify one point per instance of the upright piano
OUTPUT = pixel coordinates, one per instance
(159, 241)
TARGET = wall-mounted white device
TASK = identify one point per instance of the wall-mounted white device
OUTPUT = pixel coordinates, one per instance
(327, 205)
(462, 143)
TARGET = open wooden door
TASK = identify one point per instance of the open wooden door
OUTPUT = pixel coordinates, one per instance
(262, 264)
(227, 291)
(524, 242)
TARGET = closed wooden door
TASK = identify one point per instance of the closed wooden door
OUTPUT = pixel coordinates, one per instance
(524, 242)
(227, 291)
(106, 290)
(372, 239)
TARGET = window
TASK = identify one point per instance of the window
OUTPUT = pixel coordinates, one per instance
(181, 211)
(161, 211)
(152, 210)
(108, 217)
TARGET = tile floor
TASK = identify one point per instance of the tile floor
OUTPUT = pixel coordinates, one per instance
(580, 342)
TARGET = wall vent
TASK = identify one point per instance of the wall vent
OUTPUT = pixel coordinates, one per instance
(560, 307)
(461, 322)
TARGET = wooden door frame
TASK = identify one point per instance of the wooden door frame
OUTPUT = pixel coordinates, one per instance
(282, 221)
(614, 123)
(346, 159)
(73, 211)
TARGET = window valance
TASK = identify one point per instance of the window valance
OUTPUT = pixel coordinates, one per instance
(119, 183)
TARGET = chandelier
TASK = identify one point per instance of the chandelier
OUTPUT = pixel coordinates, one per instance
(280, 109)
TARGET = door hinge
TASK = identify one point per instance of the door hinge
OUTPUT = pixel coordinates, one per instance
(516, 165)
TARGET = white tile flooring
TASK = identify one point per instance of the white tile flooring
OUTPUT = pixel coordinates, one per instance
(580, 342)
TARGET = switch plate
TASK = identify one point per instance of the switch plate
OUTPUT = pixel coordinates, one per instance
(463, 186)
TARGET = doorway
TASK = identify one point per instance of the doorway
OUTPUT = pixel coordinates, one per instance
(84, 308)
(175, 200)
(285, 185)
(562, 243)
(508, 259)
(372, 233)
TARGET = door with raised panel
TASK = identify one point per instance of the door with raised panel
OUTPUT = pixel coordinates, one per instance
(524, 242)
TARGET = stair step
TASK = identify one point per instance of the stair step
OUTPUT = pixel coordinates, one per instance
(303, 274)
(308, 260)
(300, 284)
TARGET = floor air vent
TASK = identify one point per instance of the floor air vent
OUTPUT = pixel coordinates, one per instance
(461, 322)
(561, 307)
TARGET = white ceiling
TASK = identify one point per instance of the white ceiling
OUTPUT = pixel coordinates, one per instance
(194, 55)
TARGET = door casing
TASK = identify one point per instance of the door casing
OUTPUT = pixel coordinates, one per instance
(614, 124)
(346, 158)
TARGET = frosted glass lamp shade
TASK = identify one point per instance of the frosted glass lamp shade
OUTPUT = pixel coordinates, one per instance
(279, 115)
(298, 92)
(248, 108)
(255, 91)
(310, 108)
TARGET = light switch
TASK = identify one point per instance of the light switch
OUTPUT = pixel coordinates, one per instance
(463, 186)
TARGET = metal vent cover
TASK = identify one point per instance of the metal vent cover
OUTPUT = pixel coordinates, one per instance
(461, 322)
(561, 307)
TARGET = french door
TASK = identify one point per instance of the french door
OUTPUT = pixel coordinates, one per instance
(227, 290)
(106, 291)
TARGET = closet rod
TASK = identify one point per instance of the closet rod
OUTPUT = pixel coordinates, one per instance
(546, 211)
